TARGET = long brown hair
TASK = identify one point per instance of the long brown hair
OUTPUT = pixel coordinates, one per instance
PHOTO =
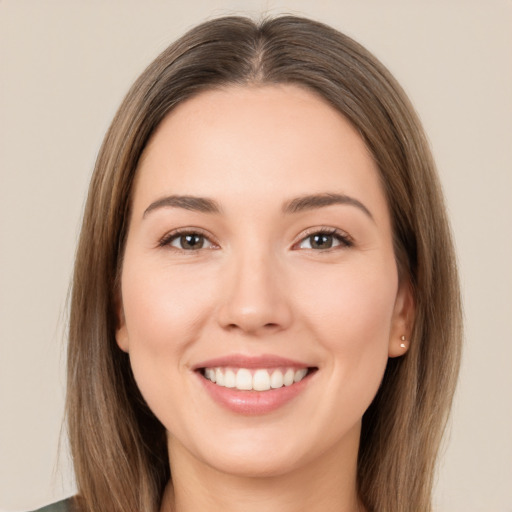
(118, 446)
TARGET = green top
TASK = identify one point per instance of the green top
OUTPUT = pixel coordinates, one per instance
(60, 506)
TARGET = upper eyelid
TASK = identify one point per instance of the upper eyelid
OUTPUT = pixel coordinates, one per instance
(345, 240)
(170, 235)
(329, 230)
(303, 235)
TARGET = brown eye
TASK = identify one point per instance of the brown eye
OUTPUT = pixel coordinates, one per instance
(189, 242)
(321, 241)
(325, 241)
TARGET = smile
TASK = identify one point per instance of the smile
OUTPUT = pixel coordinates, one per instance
(254, 385)
(258, 379)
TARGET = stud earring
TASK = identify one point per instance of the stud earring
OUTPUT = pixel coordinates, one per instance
(402, 345)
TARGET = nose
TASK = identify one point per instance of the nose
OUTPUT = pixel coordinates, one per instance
(255, 297)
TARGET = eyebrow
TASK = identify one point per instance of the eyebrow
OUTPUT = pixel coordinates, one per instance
(198, 204)
(299, 204)
(314, 201)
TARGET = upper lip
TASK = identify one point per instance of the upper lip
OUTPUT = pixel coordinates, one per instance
(244, 361)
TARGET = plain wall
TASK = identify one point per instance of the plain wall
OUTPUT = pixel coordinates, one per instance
(64, 68)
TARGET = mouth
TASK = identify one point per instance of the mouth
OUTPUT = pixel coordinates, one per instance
(255, 379)
(254, 385)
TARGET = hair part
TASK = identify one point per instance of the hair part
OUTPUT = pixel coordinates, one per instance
(118, 445)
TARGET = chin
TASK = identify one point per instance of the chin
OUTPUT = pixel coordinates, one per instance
(273, 449)
(255, 463)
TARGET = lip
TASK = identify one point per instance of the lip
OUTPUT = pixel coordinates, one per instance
(252, 403)
(251, 362)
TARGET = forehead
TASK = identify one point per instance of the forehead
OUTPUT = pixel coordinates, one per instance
(250, 141)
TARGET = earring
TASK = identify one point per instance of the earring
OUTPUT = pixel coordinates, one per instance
(402, 345)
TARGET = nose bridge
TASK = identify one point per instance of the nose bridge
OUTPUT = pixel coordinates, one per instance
(255, 297)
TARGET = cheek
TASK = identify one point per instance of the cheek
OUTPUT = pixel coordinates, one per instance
(350, 313)
(165, 314)
(352, 306)
(164, 310)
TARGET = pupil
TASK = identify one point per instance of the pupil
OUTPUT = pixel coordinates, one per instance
(191, 241)
(321, 241)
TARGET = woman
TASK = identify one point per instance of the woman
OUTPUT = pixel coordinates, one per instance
(265, 308)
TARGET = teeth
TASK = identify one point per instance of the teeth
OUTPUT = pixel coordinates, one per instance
(276, 381)
(261, 380)
(230, 379)
(219, 377)
(243, 379)
(288, 377)
(209, 373)
(299, 375)
(257, 380)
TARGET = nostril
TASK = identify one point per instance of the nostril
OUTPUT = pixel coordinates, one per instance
(252, 325)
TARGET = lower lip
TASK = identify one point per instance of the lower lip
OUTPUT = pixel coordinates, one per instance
(254, 402)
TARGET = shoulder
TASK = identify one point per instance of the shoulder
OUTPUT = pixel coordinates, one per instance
(60, 506)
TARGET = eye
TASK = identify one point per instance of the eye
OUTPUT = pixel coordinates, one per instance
(325, 240)
(186, 241)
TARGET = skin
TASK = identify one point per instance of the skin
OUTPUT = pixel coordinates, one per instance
(258, 286)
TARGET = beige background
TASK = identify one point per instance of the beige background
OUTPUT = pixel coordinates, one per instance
(65, 65)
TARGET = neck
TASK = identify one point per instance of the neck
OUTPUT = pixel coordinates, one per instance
(328, 484)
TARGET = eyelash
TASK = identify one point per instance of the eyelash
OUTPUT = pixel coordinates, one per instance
(345, 240)
(167, 239)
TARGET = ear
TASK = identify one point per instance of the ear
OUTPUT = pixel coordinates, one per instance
(121, 329)
(402, 322)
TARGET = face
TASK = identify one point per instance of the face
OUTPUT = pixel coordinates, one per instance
(259, 255)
